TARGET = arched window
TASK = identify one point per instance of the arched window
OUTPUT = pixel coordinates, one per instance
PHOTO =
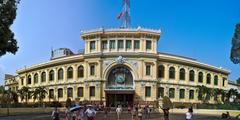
(215, 80)
(182, 94)
(60, 74)
(80, 72)
(70, 73)
(29, 79)
(200, 77)
(172, 73)
(43, 76)
(160, 92)
(182, 74)
(51, 75)
(35, 78)
(191, 75)
(161, 70)
(70, 92)
(191, 94)
(171, 92)
(208, 78)
(60, 93)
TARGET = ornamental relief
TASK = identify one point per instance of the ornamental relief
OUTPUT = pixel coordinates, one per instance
(120, 60)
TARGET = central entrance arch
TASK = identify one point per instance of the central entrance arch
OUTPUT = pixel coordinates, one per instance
(119, 87)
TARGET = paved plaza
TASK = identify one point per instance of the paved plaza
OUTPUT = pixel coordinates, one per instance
(112, 116)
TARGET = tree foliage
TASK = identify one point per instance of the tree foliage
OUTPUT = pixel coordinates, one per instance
(235, 51)
(68, 102)
(8, 96)
(167, 103)
(238, 80)
(8, 14)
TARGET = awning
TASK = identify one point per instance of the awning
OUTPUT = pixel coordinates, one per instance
(120, 91)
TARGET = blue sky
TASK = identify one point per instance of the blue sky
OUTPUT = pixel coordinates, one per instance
(200, 29)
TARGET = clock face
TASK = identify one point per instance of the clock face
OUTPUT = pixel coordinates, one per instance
(120, 79)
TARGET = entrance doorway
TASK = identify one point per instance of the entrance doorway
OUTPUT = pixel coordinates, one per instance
(119, 99)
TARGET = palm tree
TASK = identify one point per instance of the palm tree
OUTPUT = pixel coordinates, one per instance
(20, 94)
(215, 93)
(41, 93)
(25, 93)
(204, 93)
(231, 93)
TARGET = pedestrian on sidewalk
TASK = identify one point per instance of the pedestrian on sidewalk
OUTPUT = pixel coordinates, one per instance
(119, 111)
(90, 112)
(55, 114)
(140, 111)
(134, 112)
(189, 114)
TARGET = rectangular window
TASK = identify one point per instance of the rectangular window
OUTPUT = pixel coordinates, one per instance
(223, 82)
(22, 81)
(136, 44)
(92, 70)
(120, 44)
(160, 92)
(51, 93)
(104, 45)
(112, 44)
(148, 69)
(92, 91)
(60, 93)
(69, 92)
(92, 45)
(191, 94)
(80, 92)
(182, 94)
(148, 45)
(128, 44)
(147, 91)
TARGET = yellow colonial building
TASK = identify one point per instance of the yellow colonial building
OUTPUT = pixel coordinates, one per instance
(120, 66)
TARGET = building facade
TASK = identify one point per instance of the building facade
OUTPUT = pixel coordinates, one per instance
(121, 66)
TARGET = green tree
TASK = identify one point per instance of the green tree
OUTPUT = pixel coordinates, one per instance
(25, 93)
(8, 96)
(68, 102)
(8, 12)
(204, 93)
(215, 93)
(238, 80)
(41, 94)
(235, 51)
(232, 92)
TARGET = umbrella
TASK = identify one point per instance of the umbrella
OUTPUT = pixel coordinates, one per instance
(75, 108)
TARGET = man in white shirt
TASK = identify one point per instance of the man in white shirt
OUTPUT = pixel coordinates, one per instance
(119, 111)
(189, 114)
(90, 112)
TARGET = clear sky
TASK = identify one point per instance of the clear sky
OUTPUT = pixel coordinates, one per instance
(200, 29)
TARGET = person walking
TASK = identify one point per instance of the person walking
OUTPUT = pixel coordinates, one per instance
(134, 112)
(80, 114)
(55, 114)
(119, 111)
(74, 115)
(140, 112)
(90, 112)
(189, 114)
(106, 111)
(166, 114)
(67, 115)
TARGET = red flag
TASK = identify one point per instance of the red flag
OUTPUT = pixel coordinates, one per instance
(120, 15)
